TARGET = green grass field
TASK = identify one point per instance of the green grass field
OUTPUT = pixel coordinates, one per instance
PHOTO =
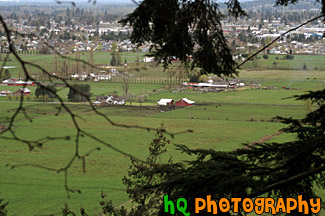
(97, 89)
(105, 168)
(48, 61)
(312, 62)
(251, 96)
(242, 117)
(291, 69)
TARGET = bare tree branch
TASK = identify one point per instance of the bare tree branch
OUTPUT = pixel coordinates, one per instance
(290, 30)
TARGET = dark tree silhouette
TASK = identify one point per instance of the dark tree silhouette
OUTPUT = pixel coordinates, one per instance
(40, 91)
(75, 90)
(186, 28)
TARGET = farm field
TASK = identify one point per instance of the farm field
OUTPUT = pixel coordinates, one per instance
(252, 96)
(291, 69)
(106, 168)
(312, 62)
(247, 95)
(97, 89)
(278, 75)
(47, 61)
(222, 121)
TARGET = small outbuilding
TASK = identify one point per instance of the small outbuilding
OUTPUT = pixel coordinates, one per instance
(165, 102)
(5, 93)
(184, 102)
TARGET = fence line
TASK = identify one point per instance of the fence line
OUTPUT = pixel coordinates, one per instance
(281, 80)
(188, 92)
(145, 80)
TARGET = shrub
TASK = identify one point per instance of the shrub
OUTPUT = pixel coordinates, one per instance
(203, 78)
(46, 98)
(9, 97)
(140, 100)
(289, 57)
(3, 211)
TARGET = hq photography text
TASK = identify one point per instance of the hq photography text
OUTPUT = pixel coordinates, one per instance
(257, 205)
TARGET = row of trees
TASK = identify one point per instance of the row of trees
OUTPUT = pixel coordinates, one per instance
(111, 36)
(40, 16)
(77, 93)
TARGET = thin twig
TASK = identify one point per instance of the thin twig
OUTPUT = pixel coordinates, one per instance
(277, 38)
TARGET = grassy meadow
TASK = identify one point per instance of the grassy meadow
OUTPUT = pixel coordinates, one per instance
(292, 69)
(312, 62)
(221, 121)
(105, 168)
(48, 61)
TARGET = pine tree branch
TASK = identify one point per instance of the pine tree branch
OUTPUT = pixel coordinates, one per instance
(295, 178)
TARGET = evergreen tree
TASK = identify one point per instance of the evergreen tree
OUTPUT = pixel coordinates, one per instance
(140, 176)
(137, 60)
(164, 28)
(79, 93)
(113, 59)
(118, 59)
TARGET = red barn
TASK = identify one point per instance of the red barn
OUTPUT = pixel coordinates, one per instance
(184, 102)
(23, 91)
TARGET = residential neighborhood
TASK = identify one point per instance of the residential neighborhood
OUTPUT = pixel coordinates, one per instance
(263, 25)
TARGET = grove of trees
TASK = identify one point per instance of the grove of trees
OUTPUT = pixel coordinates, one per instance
(79, 93)
(41, 91)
